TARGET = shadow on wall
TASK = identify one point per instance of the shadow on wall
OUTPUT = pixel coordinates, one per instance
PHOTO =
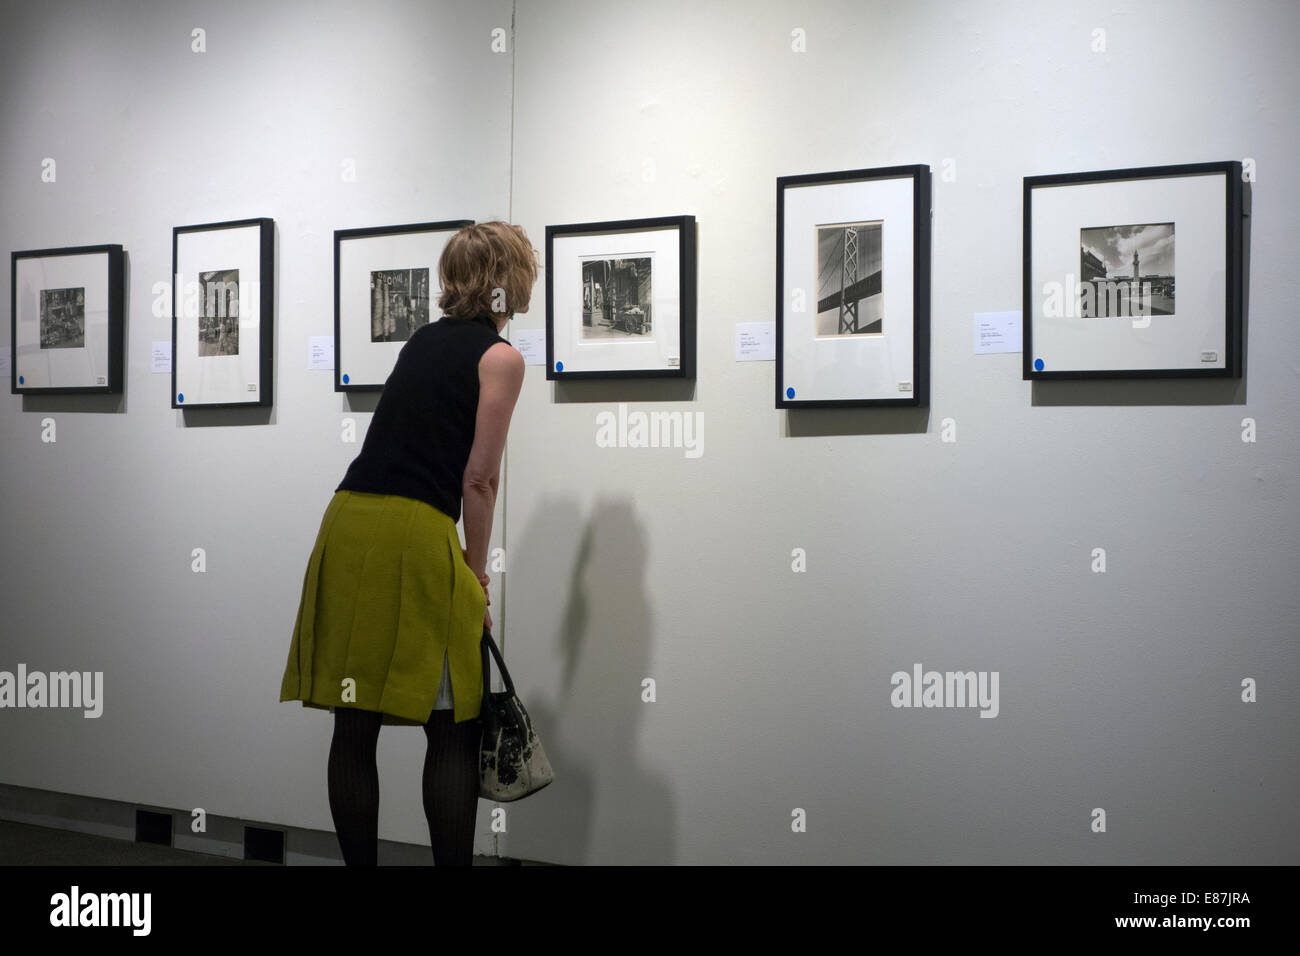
(607, 805)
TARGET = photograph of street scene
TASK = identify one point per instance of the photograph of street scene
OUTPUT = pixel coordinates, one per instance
(63, 318)
(399, 303)
(1126, 270)
(219, 323)
(615, 297)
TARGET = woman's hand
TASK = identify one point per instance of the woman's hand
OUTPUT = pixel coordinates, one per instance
(483, 579)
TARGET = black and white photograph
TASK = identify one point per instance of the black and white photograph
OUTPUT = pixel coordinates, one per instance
(67, 320)
(849, 295)
(219, 321)
(63, 318)
(620, 299)
(844, 240)
(1126, 270)
(386, 288)
(399, 303)
(223, 313)
(616, 297)
(1103, 293)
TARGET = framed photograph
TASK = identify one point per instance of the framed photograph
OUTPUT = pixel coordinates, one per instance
(385, 287)
(853, 288)
(222, 313)
(1134, 273)
(66, 311)
(620, 299)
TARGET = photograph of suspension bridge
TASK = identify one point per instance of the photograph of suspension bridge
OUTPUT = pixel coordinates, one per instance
(849, 260)
(1126, 270)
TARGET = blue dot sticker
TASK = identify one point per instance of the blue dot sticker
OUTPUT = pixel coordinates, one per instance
(1038, 365)
(346, 378)
(789, 392)
(559, 366)
(180, 396)
(21, 380)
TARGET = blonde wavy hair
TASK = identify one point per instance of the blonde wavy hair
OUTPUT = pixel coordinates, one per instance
(487, 267)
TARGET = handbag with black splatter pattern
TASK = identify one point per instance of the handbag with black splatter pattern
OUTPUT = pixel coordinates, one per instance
(512, 763)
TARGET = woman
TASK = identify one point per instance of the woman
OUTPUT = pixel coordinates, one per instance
(392, 610)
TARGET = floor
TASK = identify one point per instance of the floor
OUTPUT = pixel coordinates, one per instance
(22, 844)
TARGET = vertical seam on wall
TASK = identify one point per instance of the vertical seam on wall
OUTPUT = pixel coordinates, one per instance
(505, 464)
(510, 213)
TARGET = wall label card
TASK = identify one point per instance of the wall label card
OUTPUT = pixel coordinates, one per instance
(531, 344)
(997, 332)
(160, 360)
(320, 353)
(755, 341)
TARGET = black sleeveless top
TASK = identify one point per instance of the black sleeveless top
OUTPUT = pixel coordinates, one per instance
(419, 440)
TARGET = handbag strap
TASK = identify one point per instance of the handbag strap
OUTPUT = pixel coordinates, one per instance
(486, 645)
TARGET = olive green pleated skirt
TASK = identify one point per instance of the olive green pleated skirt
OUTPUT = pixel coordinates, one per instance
(386, 593)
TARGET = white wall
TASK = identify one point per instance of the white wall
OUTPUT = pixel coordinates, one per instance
(99, 526)
(1117, 690)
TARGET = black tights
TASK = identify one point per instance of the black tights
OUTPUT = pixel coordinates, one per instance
(451, 784)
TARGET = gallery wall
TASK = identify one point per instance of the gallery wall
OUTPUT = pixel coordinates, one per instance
(321, 116)
(1118, 690)
(705, 641)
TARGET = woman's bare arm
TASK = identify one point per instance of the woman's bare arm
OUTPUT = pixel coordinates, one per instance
(500, 376)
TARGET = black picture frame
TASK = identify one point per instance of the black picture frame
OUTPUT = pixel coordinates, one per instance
(364, 366)
(1096, 328)
(258, 258)
(793, 332)
(571, 354)
(105, 263)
